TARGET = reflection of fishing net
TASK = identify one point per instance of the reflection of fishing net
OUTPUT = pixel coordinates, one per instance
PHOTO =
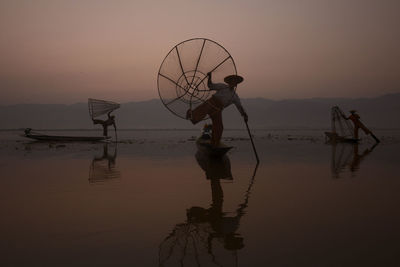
(182, 78)
(341, 158)
(100, 107)
(189, 245)
(209, 236)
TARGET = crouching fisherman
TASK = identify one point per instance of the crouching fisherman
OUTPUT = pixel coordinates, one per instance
(105, 123)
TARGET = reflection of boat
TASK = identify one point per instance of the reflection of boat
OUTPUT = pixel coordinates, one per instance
(335, 138)
(214, 167)
(103, 167)
(61, 138)
(347, 156)
(341, 130)
(204, 144)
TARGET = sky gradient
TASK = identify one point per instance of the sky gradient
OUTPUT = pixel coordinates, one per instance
(67, 51)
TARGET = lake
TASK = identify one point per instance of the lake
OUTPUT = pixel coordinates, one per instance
(155, 199)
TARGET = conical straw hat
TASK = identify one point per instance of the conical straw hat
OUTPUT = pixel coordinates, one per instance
(233, 79)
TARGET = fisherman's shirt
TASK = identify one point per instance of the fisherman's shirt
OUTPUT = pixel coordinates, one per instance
(226, 95)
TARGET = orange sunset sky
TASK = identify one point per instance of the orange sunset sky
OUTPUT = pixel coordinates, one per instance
(56, 51)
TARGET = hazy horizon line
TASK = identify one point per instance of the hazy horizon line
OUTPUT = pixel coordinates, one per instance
(243, 98)
(185, 129)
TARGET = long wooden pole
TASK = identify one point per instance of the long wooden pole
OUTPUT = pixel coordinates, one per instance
(252, 142)
(115, 130)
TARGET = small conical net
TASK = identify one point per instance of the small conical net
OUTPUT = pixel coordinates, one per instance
(340, 125)
(99, 107)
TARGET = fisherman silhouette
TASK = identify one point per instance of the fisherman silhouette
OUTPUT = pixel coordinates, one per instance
(224, 227)
(106, 123)
(225, 95)
(355, 118)
(207, 227)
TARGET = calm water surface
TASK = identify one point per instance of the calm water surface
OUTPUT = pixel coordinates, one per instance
(154, 199)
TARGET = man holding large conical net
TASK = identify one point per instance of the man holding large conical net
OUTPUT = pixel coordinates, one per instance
(186, 87)
(225, 96)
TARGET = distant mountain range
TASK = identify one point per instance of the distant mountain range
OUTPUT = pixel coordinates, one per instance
(379, 112)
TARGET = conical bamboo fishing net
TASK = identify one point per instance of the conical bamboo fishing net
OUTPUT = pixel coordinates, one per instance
(182, 77)
(99, 107)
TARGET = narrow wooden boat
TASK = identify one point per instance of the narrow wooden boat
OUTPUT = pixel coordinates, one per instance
(335, 138)
(341, 129)
(204, 144)
(64, 138)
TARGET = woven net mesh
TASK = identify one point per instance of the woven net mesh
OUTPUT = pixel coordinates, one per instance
(340, 125)
(99, 107)
(182, 77)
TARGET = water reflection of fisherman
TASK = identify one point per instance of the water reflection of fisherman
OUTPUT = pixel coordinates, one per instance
(106, 156)
(186, 243)
(105, 123)
(103, 167)
(348, 157)
(224, 227)
(357, 158)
